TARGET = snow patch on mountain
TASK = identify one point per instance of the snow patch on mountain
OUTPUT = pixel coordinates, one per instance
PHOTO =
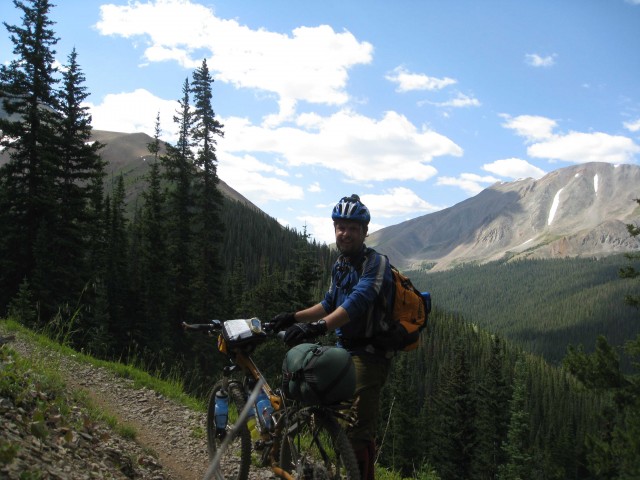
(576, 211)
(554, 207)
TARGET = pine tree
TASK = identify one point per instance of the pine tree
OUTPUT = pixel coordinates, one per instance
(208, 226)
(154, 329)
(236, 291)
(306, 274)
(116, 280)
(493, 413)
(179, 172)
(517, 447)
(402, 441)
(22, 307)
(614, 451)
(630, 271)
(96, 319)
(267, 298)
(27, 91)
(79, 172)
(456, 438)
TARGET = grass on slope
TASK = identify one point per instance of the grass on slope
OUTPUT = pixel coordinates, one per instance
(25, 376)
(172, 388)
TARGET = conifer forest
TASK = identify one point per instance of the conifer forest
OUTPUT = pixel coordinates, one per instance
(504, 385)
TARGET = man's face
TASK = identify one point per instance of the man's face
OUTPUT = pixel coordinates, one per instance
(350, 236)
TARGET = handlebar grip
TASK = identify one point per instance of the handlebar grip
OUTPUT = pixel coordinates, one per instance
(268, 327)
(199, 327)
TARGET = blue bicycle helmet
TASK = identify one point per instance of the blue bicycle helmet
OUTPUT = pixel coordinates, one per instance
(351, 208)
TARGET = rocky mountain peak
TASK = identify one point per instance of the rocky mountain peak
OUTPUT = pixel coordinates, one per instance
(580, 210)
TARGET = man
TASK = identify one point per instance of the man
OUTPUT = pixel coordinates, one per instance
(354, 306)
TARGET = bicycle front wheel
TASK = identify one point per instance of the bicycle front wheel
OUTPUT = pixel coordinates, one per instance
(316, 447)
(236, 457)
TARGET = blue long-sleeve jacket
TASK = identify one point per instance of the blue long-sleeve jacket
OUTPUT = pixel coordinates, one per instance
(363, 286)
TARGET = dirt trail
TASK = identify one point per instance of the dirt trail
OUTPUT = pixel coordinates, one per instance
(173, 432)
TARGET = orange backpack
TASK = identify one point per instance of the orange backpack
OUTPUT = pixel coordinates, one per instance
(411, 309)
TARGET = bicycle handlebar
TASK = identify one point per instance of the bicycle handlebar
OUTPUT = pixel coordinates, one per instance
(203, 327)
(216, 326)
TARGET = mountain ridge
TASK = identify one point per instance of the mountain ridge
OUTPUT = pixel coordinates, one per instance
(580, 210)
(127, 153)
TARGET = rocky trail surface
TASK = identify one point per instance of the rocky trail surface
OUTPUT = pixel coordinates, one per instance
(169, 441)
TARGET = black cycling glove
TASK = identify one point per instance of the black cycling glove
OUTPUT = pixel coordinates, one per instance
(301, 332)
(283, 320)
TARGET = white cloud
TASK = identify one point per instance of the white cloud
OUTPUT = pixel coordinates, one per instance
(460, 101)
(531, 127)
(396, 202)
(358, 148)
(320, 227)
(256, 178)
(633, 126)
(513, 168)
(315, 187)
(134, 112)
(361, 149)
(408, 81)
(288, 65)
(578, 147)
(469, 182)
(535, 60)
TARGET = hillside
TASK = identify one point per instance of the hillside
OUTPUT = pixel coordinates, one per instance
(577, 211)
(127, 154)
(91, 422)
(419, 439)
(542, 305)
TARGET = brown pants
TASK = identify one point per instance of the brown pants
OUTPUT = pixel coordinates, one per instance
(371, 375)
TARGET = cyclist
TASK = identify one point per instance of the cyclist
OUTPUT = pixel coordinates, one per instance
(354, 306)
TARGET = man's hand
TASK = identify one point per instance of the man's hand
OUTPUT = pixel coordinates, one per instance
(283, 320)
(300, 332)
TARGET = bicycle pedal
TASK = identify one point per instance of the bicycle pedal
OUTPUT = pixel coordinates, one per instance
(262, 444)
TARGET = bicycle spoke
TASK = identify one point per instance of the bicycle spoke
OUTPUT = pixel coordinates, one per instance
(316, 447)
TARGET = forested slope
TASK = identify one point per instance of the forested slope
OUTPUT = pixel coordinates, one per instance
(542, 305)
(471, 405)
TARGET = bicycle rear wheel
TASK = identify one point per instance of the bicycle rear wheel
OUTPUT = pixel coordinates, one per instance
(236, 458)
(316, 447)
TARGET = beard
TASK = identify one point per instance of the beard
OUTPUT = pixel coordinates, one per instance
(349, 249)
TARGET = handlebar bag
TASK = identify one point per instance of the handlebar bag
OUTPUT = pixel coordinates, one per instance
(316, 374)
(241, 332)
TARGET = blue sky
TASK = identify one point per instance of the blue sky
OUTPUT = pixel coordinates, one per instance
(414, 105)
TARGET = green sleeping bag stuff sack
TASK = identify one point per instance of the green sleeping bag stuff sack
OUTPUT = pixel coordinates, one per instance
(316, 374)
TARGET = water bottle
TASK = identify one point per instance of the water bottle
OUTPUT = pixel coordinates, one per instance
(264, 411)
(252, 426)
(221, 412)
(426, 297)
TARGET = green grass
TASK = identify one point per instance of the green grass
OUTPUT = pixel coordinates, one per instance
(425, 473)
(46, 377)
(26, 380)
(171, 388)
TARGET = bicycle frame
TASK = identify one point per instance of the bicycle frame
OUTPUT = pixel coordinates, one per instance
(252, 374)
(289, 418)
(250, 369)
